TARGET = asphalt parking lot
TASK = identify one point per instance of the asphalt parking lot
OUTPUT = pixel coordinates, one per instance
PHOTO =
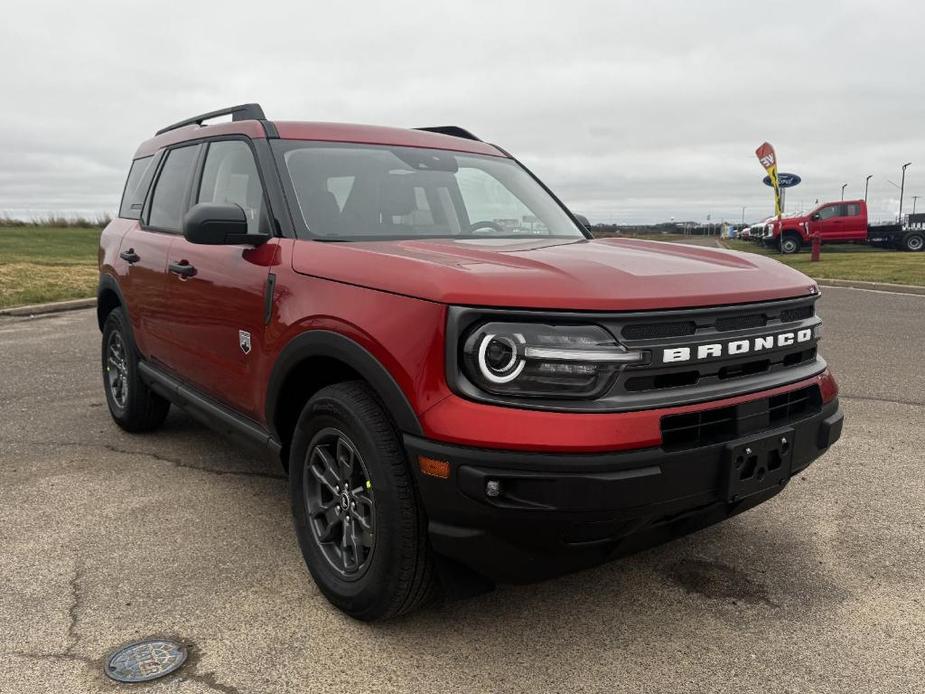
(108, 537)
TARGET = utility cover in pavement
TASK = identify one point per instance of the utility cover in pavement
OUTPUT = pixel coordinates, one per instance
(143, 661)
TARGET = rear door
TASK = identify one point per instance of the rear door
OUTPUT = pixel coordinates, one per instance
(217, 310)
(855, 223)
(146, 245)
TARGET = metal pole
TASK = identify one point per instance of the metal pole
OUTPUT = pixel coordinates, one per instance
(915, 199)
(743, 216)
(902, 186)
(844, 185)
(866, 184)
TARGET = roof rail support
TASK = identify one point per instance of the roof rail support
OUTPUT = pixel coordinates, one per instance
(452, 131)
(240, 112)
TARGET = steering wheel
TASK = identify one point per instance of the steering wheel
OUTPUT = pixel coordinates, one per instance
(484, 226)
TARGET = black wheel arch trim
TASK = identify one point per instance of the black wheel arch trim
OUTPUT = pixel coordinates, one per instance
(108, 283)
(326, 343)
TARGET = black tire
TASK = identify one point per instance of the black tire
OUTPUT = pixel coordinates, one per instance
(136, 408)
(913, 241)
(395, 574)
(790, 243)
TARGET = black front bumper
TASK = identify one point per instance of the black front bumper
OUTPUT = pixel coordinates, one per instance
(558, 513)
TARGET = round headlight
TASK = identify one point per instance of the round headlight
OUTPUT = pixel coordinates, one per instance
(500, 358)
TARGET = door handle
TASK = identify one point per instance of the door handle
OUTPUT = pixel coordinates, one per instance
(130, 256)
(182, 268)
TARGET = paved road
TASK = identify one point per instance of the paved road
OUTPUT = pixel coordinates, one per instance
(108, 537)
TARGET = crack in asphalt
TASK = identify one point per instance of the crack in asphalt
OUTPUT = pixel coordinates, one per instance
(155, 456)
(867, 398)
(75, 606)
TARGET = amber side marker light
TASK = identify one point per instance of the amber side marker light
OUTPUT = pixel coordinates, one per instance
(434, 468)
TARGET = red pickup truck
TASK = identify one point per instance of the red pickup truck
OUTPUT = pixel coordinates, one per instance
(462, 384)
(844, 221)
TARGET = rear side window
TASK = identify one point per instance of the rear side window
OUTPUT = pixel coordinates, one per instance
(168, 201)
(853, 210)
(136, 187)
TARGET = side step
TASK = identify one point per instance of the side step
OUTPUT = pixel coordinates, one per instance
(207, 410)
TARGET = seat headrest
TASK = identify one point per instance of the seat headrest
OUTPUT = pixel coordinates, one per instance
(396, 196)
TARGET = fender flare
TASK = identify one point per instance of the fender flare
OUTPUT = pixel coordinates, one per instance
(109, 283)
(325, 343)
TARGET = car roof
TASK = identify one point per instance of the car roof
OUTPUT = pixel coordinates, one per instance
(322, 132)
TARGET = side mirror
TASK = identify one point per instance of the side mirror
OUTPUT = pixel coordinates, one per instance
(816, 217)
(584, 221)
(219, 225)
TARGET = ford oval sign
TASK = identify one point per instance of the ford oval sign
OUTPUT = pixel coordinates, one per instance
(786, 180)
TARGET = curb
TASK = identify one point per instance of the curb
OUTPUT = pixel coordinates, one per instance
(875, 286)
(54, 307)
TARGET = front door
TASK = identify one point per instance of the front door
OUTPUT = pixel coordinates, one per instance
(216, 293)
(823, 222)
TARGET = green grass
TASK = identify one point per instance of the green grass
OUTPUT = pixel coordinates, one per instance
(41, 264)
(849, 262)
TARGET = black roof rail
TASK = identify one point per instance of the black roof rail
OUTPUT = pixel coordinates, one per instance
(452, 131)
(240, 112)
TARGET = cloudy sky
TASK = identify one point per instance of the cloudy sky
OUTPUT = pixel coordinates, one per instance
(632, 111)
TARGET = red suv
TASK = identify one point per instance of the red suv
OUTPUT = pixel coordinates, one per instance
(463, 385)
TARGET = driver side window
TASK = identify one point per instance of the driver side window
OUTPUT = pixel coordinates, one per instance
(828, 212)
(230, 177)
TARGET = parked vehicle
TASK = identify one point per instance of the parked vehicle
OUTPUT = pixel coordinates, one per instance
(463, 385)
(840, 222)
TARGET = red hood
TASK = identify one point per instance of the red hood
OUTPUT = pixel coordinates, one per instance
(605, 274)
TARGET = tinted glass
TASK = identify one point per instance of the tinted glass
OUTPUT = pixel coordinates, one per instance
(168, 201)
(353, 192)
(828, 212)
(230, 177)
(136, 187)
(853, 210)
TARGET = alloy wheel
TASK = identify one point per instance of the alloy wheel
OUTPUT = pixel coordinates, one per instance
(339, 502)
(117, 369)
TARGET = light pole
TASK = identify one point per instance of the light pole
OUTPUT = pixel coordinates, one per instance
(743, 216)
(866, 184)
(844, 185)
(915, 199)
(902, 186)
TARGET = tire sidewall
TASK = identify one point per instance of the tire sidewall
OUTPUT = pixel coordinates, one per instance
(910, 240)
(789, 245)
(369, 591)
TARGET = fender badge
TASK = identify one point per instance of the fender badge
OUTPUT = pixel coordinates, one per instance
(244, 339)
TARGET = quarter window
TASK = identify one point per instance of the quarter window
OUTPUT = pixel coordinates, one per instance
(230, 178)
(136, 187)
(168, 202)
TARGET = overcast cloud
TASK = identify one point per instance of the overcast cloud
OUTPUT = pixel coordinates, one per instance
(631, 111)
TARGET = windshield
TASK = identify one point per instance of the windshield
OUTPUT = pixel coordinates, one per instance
(347, 192)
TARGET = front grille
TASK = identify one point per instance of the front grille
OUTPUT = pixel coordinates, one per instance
(654, 333)
(792, 315)
(680, 431)
(758, 320)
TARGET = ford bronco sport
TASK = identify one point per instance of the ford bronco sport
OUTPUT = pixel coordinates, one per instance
(462, 384)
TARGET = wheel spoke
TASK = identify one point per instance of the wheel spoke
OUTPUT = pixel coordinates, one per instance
(345, 458)
(327, 475)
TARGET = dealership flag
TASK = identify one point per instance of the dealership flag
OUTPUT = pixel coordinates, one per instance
(768, 160)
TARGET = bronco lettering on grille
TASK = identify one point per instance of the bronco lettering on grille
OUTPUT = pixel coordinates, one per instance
(716, 350)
